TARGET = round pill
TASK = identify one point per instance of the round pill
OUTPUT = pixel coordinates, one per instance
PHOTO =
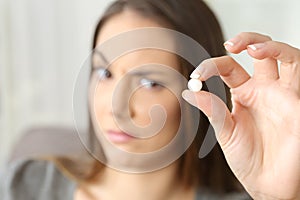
(195, 85)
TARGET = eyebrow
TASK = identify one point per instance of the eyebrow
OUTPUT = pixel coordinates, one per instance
(101, 55)
(145, 73)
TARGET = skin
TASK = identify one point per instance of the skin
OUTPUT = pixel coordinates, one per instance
(261, 136)
(135, 186)
(137, 106)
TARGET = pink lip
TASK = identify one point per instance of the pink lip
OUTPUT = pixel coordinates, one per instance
(118, 136)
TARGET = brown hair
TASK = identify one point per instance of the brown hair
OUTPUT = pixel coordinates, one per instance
(195, 19)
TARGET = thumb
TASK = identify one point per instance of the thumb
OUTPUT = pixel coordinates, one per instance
(216, 111)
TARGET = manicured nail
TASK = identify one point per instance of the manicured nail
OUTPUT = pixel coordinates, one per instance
(195, 85)
(257, 46)
(228, 43)
(195, 75)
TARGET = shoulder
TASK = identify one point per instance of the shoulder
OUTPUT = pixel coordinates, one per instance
(34, 179)
(207, 194)
(238, 196)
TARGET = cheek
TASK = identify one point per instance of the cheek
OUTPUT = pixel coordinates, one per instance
(143, 103)
(99, 100)
(173, 114)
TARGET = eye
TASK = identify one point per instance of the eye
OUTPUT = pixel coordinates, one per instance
(149, 83)
(103, 73)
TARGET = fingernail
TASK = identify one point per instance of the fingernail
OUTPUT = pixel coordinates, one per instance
(195, 85)
(195, 75)
(228, 43)
(189, 96)
(231, 42)
(257, 46)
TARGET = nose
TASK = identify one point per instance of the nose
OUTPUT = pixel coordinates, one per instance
(125, 112)
(120, 99)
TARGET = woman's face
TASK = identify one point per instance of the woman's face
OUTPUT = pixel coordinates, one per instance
(133, 88)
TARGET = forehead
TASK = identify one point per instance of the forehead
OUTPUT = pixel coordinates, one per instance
(137, 59)
(125, 22)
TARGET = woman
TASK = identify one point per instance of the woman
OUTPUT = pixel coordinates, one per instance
(263, 157)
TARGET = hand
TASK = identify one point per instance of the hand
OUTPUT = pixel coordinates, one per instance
(260, 137)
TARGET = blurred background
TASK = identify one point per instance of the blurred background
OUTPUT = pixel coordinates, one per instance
(44, 43)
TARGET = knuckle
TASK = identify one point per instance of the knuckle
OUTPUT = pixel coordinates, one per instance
(207, 61)
(265, 37)
(249, 35)
(229, 58)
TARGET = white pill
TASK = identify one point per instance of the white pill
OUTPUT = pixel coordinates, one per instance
(195, 85)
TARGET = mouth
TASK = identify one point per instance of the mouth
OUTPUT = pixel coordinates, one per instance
(119, 136)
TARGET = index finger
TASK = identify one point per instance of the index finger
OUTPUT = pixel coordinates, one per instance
(242, 40)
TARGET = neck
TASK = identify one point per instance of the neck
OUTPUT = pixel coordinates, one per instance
(161, 185)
